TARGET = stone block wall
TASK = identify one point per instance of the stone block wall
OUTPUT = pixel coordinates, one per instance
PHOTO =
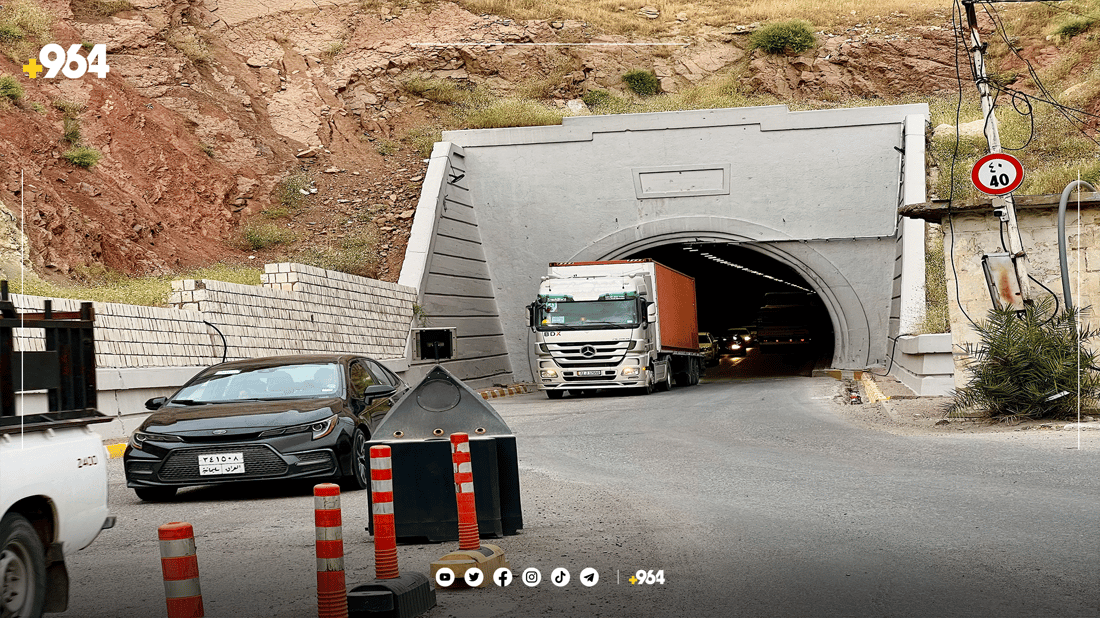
(302, 309)
(297, 309)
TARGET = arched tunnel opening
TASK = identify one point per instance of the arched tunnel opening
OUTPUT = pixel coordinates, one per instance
(762, 316)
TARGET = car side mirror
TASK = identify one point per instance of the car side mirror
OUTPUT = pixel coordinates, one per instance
(375, 391)
(155, 403)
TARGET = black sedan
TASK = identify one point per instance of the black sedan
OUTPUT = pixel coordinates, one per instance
(280, 417)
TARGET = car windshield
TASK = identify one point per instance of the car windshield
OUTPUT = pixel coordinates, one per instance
(306, 381)
(588, 314)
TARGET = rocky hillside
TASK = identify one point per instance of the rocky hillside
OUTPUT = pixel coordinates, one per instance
(209, 105)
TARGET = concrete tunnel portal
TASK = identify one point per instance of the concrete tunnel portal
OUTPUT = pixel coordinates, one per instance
(699, 191)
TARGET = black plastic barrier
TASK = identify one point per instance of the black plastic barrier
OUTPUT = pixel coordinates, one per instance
(417, 430)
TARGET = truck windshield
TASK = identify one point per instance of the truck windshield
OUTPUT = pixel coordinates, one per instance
(587, 314)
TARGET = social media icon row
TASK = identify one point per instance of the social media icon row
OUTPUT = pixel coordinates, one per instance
(502, 577)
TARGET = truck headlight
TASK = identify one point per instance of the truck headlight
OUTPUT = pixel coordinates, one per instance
(631, 371)
(548, 373)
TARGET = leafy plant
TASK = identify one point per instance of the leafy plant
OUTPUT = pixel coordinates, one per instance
(288, 193)
(68, 108)
(792, 36)
(263, 235)
(386, 147)
(642, 82)
(24, 26)
(71, 131)
(1028, 366)
(82, 156)
(1075, 26)
(595, 98)
(355, 255)
(10, 88)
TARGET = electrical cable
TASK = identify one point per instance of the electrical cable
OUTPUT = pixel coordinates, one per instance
(999, 27)
(893, 349)
(225, 346)
(955, 14)
(1065, 10)
(1057, 305)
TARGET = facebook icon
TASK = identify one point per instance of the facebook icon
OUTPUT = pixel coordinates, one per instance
(502, 577)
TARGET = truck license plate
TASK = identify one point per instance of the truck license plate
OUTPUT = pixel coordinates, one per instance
(221, 463)
(590, 372)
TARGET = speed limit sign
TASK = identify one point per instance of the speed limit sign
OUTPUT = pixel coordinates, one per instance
(997, 174)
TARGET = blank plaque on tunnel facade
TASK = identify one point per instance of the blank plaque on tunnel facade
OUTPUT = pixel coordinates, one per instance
(681, 181)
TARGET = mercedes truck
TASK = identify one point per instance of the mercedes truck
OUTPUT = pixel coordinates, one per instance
(622, 324)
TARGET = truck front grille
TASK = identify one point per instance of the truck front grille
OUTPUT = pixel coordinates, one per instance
(259, 461)
(588, 354)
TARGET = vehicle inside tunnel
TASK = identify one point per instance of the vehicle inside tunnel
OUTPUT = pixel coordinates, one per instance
(762, 316)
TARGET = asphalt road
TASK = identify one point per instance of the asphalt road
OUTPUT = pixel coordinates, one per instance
(752, 496)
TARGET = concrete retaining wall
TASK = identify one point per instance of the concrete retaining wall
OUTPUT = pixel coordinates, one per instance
(144, 352)
(445, 261)
(924, 364)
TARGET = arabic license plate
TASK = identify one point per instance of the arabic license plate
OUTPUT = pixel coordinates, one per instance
(590, 372)
(221, 463)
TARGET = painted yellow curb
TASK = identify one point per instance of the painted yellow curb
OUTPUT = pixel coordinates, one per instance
(874, 394)
(116, 450)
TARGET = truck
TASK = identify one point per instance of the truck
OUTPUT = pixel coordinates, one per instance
(783, 324)
(620, 324)
(53, 466)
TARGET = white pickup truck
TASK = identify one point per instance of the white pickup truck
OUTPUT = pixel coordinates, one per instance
(53, 467)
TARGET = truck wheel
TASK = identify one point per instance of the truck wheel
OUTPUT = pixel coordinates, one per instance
(22, 568)
(693, 372)
(155, 494)
(556, 394)
(666, 384)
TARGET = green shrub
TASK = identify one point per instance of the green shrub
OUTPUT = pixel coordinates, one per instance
(423, 139)
(1028, 366)
(288, 194)
(68, 108)
(784, 37)
(595, 98)
(355, 255)
(10, 88)
(71, 132)
(38, 107)
(386, 147)
(1075, 26)
(24, 27)
(82, 156)
(263, 235)
(642, 82)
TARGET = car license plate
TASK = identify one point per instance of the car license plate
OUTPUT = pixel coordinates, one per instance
(590, 372)
(221, 463)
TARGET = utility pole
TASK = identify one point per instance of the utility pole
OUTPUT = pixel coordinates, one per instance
(1003, 206)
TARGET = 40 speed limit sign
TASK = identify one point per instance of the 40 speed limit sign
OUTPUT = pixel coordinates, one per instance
(997, 174)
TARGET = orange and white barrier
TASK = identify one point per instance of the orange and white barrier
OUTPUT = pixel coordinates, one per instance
(180, 566)
(385, 533)
(332, 595)
(468, 537)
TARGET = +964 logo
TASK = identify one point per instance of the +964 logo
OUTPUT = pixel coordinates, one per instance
(54, 59)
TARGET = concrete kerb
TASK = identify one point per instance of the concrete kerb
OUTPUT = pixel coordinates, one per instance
(115, 449)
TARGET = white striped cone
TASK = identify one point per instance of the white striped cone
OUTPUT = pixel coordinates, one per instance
(468, 538)
(332, 595)
(180, 566)
(385, 532)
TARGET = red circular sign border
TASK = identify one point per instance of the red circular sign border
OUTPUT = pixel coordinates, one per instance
(1003, 157)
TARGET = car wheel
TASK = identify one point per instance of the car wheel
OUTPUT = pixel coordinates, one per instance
(555, 394)
(361, 464)
(155, 494)
(22, 567)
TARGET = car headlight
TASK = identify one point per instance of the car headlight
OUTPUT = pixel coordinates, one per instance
(319, 429)
(139, 438)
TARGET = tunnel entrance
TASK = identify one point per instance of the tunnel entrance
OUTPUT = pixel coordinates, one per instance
(762, 316)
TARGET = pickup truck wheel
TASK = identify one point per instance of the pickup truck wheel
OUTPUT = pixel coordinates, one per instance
(555, 394)
(155, 494)
(22, 568)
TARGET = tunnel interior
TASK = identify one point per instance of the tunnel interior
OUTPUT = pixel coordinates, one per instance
(790, 332)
